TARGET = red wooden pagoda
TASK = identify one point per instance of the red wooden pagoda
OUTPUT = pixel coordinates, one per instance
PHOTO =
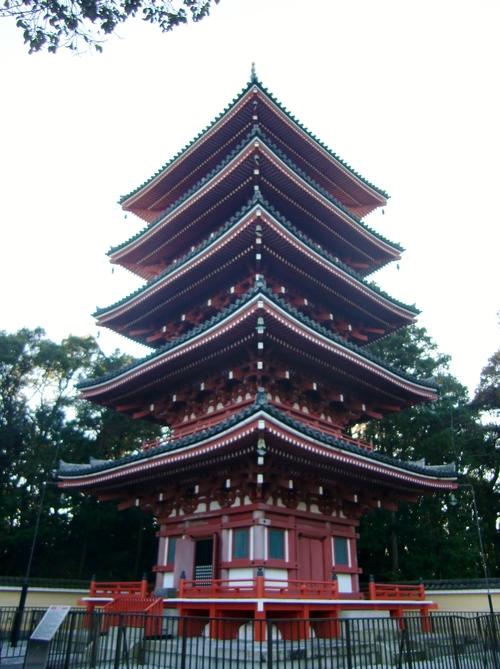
(258, 309)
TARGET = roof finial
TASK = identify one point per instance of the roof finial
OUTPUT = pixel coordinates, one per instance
(253, 75)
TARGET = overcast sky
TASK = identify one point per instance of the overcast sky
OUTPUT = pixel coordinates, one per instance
(406, 92)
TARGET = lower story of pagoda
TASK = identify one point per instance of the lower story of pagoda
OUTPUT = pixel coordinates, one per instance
(257, 516)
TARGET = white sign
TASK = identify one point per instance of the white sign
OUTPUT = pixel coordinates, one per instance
(50, 623)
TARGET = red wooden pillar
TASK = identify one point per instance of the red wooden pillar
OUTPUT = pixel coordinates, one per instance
(372, 592)
(426, 620)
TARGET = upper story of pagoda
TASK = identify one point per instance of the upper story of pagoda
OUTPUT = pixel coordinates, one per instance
(256, 242)
(245, 151)
(259, 341)
(256, 262)
(254, 107)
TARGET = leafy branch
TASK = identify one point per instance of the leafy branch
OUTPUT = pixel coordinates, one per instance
(51, 24)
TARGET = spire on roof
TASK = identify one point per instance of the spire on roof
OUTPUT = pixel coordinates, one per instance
(253, 75)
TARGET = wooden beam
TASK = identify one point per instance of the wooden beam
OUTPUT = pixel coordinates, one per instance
(389, 407)
(141, 414)
(139, 332)
(157, 335)
(126, 505)
(108, 497)
(374, 414)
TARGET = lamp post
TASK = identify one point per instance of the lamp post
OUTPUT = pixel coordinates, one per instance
(16, 625)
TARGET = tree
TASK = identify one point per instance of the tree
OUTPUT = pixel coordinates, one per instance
(483, 470)
(431, 538)
(37, 380)
(42, 421)
(50, 24)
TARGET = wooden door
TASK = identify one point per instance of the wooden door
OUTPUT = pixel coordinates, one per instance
(311, 559)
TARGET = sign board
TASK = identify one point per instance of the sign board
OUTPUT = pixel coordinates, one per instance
(37, 654)
(50, 623)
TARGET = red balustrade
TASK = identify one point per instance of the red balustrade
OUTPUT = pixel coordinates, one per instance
(394, 591)
(199, 423)
(114, 589)
(259, 588)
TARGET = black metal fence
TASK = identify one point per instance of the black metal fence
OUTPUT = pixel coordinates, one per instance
(112, 641)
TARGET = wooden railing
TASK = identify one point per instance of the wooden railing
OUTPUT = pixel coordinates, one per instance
(394, 591)
(195, 425)
(134, 606)
(324, 426)
(259, 588)
(115, 589)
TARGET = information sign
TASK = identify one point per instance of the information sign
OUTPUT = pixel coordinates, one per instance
(50, 623)
(37, 654)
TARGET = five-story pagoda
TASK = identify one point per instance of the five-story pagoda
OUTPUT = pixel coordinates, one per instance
(258, 309)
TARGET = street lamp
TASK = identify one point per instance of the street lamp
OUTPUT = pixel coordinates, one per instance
(16, 625)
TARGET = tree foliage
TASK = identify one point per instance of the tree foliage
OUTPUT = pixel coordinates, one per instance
(50, 24)
(42, 421)
(432, 538)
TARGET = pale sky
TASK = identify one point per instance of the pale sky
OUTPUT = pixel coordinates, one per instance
(406, 92)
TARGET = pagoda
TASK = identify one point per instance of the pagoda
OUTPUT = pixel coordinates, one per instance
(257, 307)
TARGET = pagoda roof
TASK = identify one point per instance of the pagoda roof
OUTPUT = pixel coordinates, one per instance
(255, 104)
(230, 248)
(286, 439)
(231, 332)
(229, 186)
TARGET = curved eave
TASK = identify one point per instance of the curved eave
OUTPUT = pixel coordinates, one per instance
(235, 247)
(202, 153)
(323, 165)
(187, 219)
(233, 331)
(294, 443)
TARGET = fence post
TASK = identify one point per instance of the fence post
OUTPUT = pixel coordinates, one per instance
(491, 625)
(184, 643)
(70, 638)
(181, 584)
(144, 585)
(348, 643)
(118, 650)
(372, 592)
(454, 643)
(269, 634)
(401, 646)
(95, 628)
(406, 634)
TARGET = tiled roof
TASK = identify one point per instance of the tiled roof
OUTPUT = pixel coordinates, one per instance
(459, 583)
(255, 132)
(261, 404)
(178, 262)
(244, 91)
(292, 311)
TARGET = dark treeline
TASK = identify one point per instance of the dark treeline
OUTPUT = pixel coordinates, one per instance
(42, 421)
(437, 538)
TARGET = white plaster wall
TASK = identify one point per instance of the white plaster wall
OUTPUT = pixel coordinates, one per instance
(345, 582)
(240, 575)
(276, 574)
(168, 579)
